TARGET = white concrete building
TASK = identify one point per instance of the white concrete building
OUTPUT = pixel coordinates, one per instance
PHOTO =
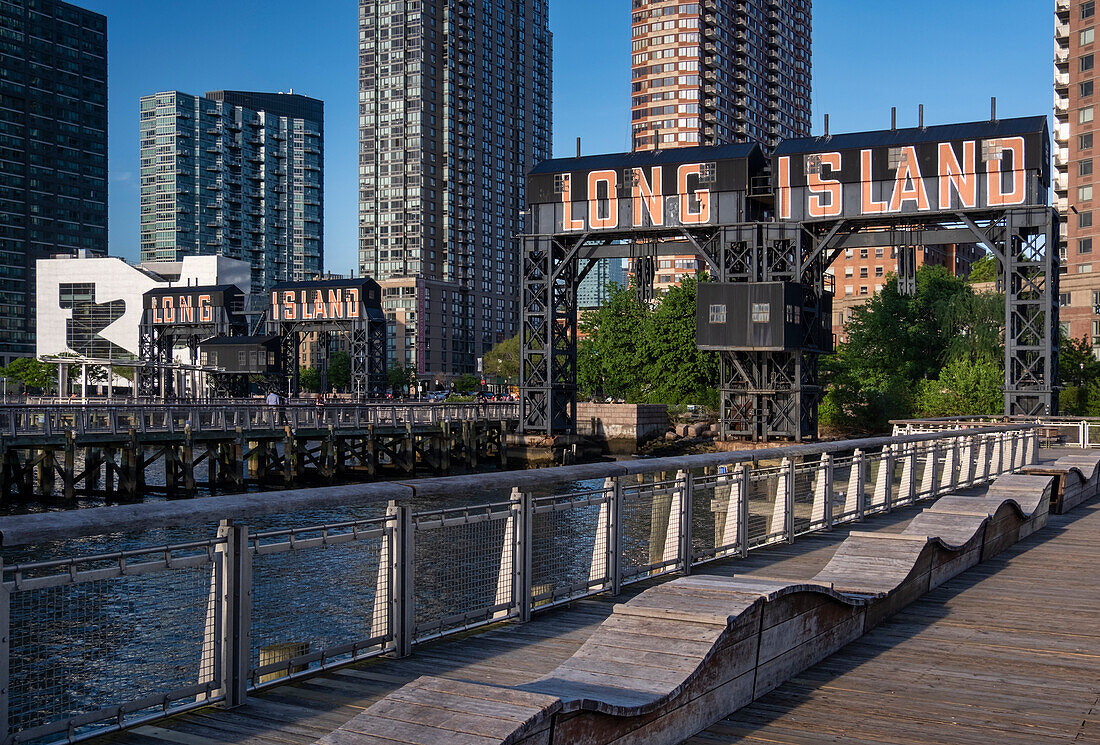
(91, 307)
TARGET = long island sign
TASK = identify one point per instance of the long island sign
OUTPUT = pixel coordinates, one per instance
(977, 165)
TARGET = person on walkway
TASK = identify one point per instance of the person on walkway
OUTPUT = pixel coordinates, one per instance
(272, 401)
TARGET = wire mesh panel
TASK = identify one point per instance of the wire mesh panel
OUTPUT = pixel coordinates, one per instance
(650, 528)
(766, 522)
(99, 642)
(901, 476)
(846, 487)
(876, 480)
(463, 567)
(714, 516)
(320, 596)
(571, 543)
(808, 496)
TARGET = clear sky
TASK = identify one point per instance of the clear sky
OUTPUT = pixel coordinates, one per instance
(868, 55)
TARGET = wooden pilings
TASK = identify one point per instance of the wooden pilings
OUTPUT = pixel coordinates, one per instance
(123, 466)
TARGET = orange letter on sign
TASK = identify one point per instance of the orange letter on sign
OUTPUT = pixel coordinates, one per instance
(962, 178)
(687, 216)
(648, 194)
(609, 179)
(998, 197)
(908, 172)
(567, 221)
(868, 204)
(819, 187)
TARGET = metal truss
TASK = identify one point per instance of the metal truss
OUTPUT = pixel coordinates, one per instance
(366, 347)
(156, 341)
(1025, 242)
(775, 395)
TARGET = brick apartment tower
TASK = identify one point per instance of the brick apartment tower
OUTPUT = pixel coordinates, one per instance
(715, 72)
(1075, 111)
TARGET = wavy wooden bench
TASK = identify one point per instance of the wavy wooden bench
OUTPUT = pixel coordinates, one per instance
(683, 654)
(1076, 480)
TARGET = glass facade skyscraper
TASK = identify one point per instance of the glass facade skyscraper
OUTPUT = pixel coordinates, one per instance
(454, 109)
(234, 173)
(53, 150)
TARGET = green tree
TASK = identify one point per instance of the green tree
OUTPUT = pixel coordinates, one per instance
(964, 388)
(502, 361)
(400, 378)
(309, 378)
(676, 370)
(897, 342)
(466, 383)
(610, 359)
(977, 319)
(339, 371)
(1079, 372)
(31, 372)
(983, 270)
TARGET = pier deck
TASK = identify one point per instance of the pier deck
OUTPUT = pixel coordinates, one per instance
(1006, 652)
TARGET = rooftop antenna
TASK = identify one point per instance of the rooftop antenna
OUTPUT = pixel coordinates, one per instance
(992, 108)
(826, 126)
(920, 116)
(578, 147)
(656, 138)
(893, 118)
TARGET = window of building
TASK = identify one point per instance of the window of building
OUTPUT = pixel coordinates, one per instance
(878, 253)
(1085, 62)
(847, 253)
(863, 289)
(847, 271)
(863, 253)
(1084, 167)
(1086, 36)
(1085, 89)
(1084, 142)
(1084, 193)
(1084, 116)
(848, 289)
(878, 271)
(1063, 299)
(1084, 245)
(1088, 9)
(1084, 219)
(1095, 299)
(863, 271)
(1084, 268)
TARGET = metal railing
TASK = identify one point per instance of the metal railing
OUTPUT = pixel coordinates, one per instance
(100, 642)
(56, 420)
(1053, 431)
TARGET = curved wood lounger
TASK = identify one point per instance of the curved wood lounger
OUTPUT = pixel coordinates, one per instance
(1077, 479)
(683, 654)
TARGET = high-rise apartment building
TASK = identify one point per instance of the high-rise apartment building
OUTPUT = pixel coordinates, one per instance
(1076, 108)
(714, 72)
(454, 109)
(592, 292)
(237, 174)
(53, 150)
(719, 71)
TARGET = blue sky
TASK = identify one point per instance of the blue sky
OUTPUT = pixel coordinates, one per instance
(868, 55)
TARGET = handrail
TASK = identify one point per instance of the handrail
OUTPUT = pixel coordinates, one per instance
(24, 529)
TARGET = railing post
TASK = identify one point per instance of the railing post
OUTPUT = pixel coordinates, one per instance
(615, 537)
(1032, 436)
(523, 555)
(994, 467)
(402, 599)
(933, 466)
(5, 657)
(687, 502)
(236, 611)
(947, 480)
(1083, 434)
(741, 487)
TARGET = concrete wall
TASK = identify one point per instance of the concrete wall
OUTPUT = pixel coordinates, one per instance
(635, 422)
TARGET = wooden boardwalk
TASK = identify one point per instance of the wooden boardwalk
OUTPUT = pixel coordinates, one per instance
(902, 693)
(1008, 652)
